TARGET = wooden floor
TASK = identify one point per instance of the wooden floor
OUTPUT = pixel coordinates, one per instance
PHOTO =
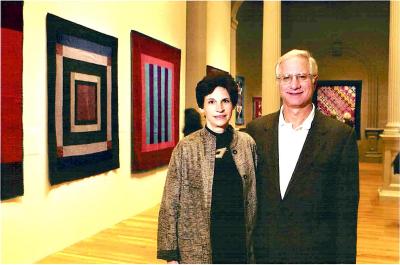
(378, 220)
(134, 240)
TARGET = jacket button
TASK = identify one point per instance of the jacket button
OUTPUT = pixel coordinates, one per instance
(245, 176)
(234, 152)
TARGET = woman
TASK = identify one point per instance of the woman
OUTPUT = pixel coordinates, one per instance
(208, 206)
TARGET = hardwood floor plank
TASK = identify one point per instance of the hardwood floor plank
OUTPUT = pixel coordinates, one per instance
(135, 240)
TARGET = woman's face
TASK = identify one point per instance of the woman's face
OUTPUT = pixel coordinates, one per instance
(217, 109)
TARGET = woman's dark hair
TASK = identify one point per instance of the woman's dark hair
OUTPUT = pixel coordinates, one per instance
(192, 121)
(207, 85)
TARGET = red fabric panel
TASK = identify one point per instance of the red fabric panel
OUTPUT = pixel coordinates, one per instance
(86, 103)
(11, 95)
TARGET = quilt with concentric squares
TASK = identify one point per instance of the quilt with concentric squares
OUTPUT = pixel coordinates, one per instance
(82, 101)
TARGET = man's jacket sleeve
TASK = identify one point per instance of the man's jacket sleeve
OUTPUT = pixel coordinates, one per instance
(347, 198)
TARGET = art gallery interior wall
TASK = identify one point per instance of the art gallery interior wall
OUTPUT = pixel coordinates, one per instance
(207, 42)
(350, 41)
(49, 218)
(249, 52)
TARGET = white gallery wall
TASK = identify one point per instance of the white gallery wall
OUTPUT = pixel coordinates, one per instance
(49, 218)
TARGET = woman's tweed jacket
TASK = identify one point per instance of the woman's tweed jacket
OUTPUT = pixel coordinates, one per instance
(184, 218)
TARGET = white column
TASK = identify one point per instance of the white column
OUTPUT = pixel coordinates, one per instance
(393, 124)
(271, 53)
(391, 134)
(391, 181)
(196, 48)
(234, 24)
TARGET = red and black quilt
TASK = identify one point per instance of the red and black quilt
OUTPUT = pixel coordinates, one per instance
(11, 100)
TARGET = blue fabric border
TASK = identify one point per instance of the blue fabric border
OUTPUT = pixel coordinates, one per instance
(82, 44)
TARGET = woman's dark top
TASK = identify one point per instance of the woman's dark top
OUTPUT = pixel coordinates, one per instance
(228, 240)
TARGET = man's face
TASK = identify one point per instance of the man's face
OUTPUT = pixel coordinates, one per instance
(217, 109)
(298, 87)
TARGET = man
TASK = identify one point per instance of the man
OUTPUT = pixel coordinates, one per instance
(307, 178)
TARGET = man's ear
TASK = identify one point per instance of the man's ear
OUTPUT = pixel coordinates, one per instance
(315, 79)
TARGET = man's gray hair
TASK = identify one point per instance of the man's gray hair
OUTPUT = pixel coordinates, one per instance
(298, 53)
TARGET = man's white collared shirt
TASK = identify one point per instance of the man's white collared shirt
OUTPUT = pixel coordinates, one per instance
(291, 142)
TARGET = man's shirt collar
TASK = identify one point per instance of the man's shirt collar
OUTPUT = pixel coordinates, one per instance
(306, 123)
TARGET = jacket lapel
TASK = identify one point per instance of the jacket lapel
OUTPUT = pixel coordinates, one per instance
(271, 153)
(207, 165)
(313, 145)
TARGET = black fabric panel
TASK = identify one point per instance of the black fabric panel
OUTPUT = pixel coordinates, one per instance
(11, 180)
(11, 15)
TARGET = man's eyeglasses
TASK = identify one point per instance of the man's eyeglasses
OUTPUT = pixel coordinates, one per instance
(286, 79)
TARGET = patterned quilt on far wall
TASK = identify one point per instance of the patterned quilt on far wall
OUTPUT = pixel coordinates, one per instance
(337, 100)
(340, 100)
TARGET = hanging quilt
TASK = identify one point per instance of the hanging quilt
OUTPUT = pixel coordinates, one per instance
(82, 99)
(155, 101)
(340, 100)
(257, 107)
(239, 110)
(11, 100)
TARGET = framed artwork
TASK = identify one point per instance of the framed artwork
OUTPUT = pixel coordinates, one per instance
(239, 110)
(213, 71)
(340, 100)
(257, 107)
(11, 100)
(155, 101)
(82, 101)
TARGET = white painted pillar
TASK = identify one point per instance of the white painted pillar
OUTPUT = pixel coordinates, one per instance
(391, 134)
(271, 52)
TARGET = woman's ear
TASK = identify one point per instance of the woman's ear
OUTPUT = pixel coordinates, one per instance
(201, 111)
